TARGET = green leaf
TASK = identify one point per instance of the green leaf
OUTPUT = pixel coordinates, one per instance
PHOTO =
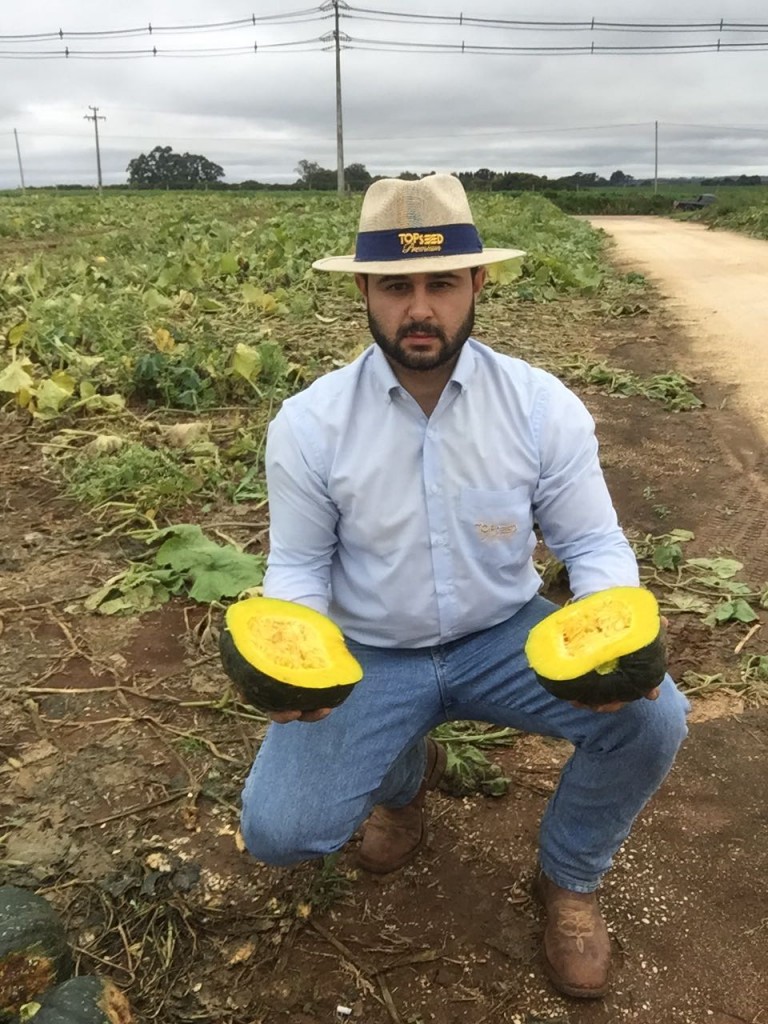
(688, 603)
(724, 568)
(17, 332)
(251, 293)
(743, 611)
(50, 397)
(14, 377)
(738, 609)
(214, 570)
(247, 362)
(667, 555)
(682, 535)
(228, 264)
(231, 574)
(139, 589)
(506, 272)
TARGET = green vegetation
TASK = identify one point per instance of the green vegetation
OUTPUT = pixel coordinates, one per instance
(148, 365)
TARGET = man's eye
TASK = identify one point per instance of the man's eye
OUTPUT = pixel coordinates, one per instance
(397, 286)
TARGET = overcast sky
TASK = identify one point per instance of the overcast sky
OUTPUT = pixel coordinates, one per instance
(259, 114)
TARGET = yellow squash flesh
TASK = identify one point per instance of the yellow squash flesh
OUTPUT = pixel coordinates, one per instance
(593, 634)
(291, 644)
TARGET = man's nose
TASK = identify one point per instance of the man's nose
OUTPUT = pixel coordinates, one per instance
(420, 307)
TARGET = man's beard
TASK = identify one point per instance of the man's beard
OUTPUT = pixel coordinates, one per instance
(449, 347)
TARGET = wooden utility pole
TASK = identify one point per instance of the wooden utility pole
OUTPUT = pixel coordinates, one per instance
(18, 155)
(95, 117)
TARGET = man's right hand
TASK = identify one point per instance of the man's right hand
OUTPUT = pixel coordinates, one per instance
(281, 717)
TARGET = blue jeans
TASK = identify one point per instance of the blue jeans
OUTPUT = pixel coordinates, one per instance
(312, 784)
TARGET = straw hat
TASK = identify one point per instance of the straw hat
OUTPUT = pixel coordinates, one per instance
(416, 227)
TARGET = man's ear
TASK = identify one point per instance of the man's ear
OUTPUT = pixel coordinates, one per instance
(478, 280)
(361, 280)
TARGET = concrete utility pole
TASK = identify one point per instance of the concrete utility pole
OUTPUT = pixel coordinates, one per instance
(339, 129)
(18, 155)
(656, 157)
(96, 117)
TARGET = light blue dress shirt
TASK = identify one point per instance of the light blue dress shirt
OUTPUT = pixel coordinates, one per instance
(411, 531)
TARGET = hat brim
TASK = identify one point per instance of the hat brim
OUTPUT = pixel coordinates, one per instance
(417, 264)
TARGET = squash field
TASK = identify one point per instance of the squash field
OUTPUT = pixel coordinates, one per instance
(146, 340)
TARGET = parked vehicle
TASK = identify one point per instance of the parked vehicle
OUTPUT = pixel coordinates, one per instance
(705, 199)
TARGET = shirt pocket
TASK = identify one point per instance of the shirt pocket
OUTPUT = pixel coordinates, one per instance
(497, 525)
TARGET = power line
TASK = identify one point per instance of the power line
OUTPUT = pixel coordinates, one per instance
(584, 25)
(320, 44)
(409, 46)
(324, 12)
(284, 18)
(509, 131)
(67, 53)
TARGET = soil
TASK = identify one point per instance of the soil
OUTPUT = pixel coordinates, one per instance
(121, 764)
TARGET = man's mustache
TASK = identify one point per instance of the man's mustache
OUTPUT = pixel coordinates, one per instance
(420, 328)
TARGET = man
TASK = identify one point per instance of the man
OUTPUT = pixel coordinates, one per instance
(403, 490)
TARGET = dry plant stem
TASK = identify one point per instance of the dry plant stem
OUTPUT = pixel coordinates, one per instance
(132, 720)
(743, 643)
(136, 809)
(386, 997)
(42, 604)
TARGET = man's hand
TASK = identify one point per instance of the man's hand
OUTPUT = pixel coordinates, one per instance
(281, 717)
(617, 705)
(614, 705)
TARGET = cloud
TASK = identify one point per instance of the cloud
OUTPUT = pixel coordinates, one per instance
(258, 115)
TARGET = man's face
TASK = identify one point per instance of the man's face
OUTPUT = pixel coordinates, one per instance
(421, 321)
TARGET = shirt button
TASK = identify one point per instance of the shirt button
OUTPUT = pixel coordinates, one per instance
(430, 433)
(434, 489)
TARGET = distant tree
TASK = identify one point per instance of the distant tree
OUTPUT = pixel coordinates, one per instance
(312, 175)
(357, 177)
(620, 178)
(518, 181)
(307, 171)
(162, 168)
(408, 176)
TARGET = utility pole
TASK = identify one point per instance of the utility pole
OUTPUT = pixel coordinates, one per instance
(339, 129)
(656, 157)
(96, 117)
(18, 155)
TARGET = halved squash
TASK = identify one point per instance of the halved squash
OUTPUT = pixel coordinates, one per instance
(84, 1000)
(285, 657)
(33, 949)
(606, 647)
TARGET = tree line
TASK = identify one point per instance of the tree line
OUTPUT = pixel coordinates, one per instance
(162, 168)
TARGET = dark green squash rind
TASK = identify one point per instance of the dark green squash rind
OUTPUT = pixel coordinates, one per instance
(33, 949)
(635, 676)
(268, 694)
(84, 1000)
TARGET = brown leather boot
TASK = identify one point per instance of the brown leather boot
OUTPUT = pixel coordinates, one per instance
(577, 947)
(392, 836)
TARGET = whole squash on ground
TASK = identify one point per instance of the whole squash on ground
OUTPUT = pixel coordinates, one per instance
(606, 647)
(34, 954)
(283, 656)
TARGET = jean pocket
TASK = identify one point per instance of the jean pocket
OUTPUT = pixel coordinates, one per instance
(497, 524)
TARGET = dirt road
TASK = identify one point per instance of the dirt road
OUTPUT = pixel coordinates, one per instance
(717, 283)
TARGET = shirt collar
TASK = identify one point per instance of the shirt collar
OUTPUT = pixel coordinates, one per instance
(461, 375)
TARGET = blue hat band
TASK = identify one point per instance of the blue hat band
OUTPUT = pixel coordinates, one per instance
(411, 243)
